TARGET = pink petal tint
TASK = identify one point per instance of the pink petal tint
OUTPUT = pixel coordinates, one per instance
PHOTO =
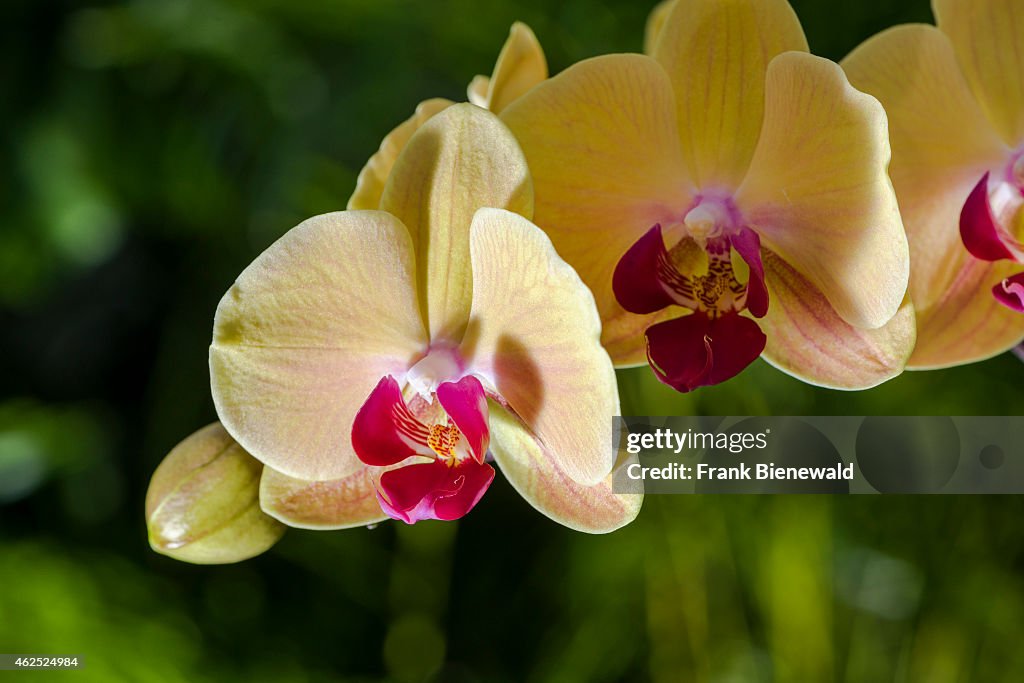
(1010, 292)
(748, 245)
(454, 437)
(980, 230)
(715, 342)
(639, 277)
(433, 490)
(985, 238)
(381, 423)
(696, 350)
(466, 405)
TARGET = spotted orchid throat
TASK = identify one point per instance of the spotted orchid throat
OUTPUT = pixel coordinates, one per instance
(716, 341)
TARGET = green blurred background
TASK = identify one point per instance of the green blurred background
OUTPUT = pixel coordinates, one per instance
(150, 150)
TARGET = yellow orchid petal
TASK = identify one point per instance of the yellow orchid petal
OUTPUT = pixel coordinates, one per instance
(717, 52)
(373, 177)
(942, 145)
(462, 159)
(807, 339)
(603, 148)
(967, 323)
(535, 473)
(818, 192)
(306, 332)
(656, 22)
(986, 35)
(520, 66)
(336, 504)
(202, 505)
(536, 338)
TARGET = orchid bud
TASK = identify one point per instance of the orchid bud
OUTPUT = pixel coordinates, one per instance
(203, 502)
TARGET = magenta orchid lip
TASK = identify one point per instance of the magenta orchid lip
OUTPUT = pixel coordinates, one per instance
(447, 475)
(714, 342)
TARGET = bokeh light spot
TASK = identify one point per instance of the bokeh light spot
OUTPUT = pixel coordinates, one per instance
(992, 457)
(900, 455)
(414, 648)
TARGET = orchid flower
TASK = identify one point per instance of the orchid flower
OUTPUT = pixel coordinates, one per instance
(521, 65)
(955, 98)
(376, 361)
(725, 197)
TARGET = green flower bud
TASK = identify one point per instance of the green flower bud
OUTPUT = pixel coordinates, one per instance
(203, 502)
